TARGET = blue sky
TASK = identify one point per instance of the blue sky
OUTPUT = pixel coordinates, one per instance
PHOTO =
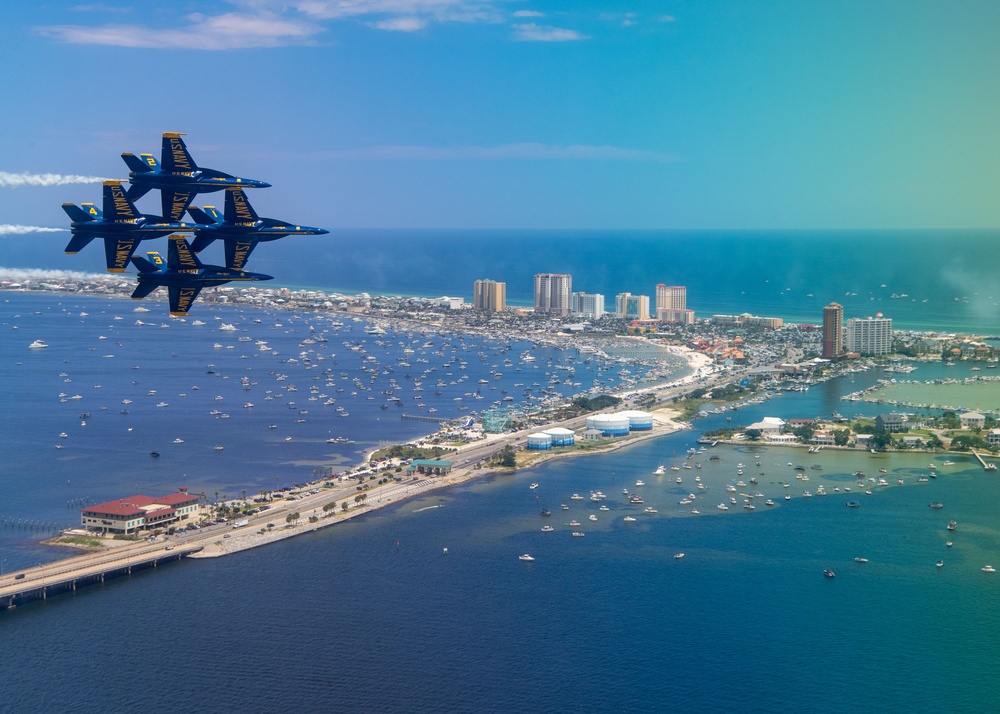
(521, 114)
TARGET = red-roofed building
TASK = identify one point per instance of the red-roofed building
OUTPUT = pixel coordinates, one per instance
(135, 513)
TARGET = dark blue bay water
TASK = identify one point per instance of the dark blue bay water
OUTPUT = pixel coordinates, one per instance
(943, 280)
(347, 620)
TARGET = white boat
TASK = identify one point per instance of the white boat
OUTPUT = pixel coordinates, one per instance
(576, 497)
(592, 517)
(37, 344)
(678, 556)
(722, 507)
(861, 560)
(628, 519)
(989, 569)
(217, 447)
(578, 534)
(525, 556)
(650, 509)
(660, 470)
(533, 486)
(178, 441)
(547, 529)
(640, 483)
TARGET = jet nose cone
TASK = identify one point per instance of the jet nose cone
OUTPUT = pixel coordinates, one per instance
(321, 231)
(263, 184)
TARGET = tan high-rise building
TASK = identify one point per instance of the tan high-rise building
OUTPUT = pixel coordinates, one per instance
(552, 292)
(489, 295)
(833, 331)
(671, 297)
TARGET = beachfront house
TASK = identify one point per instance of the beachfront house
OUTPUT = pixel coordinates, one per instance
(972, 420)
(769, 427)
(993, 437)
(889, 422)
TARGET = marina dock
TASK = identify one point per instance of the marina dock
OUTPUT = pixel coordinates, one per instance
(987, 465)
(66, 575)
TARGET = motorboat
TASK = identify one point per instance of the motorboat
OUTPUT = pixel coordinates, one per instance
(592, 517)
(828, 573)
(525, 556)
(37, 345)
(578, 534)
(678, 556)
(660, 470)
(861, 560)
(640, 483)
(546, 512)
(547, 529)
(988, 569)
(937, 505)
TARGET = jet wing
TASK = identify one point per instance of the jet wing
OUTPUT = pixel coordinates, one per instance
(181, 298)
(118, 251)
(77, 243)
(238, 252)
(143, 289)
(174, 203)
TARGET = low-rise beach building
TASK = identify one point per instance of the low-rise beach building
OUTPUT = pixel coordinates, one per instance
(972, 420)
(136, 513)
(889, 422)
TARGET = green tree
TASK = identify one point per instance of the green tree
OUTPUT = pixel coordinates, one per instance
(753, 434)
(804, 433)
(841, 436)
(507, 457)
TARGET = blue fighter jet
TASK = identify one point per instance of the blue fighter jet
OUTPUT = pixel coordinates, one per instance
(241, 228)
(121, 226)
(183, 275)
(177, 176)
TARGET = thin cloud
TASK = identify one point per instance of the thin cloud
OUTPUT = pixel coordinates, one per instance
(400, 24)
(204, 32)
(429, 10)
(531, 32)
(518, 151)
(528, 13)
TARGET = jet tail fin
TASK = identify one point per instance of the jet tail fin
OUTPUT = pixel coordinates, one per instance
(238, 209)
(146, 164)
(117, 205)
(82, 214)
(206, 217)
(143, 265)
(180, 256)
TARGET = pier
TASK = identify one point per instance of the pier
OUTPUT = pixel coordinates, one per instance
(987, 465)
(66, 575)
(421, 417)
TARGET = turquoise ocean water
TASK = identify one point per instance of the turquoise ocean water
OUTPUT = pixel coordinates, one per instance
(941, 280)
(372, 616)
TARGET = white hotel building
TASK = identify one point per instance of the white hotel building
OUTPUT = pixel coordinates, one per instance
(869, 336)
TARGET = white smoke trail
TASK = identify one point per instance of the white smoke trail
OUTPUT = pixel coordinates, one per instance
(7, 229)
(48, 274)
(9, 180)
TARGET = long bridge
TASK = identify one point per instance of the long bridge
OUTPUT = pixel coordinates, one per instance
(39, 582)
